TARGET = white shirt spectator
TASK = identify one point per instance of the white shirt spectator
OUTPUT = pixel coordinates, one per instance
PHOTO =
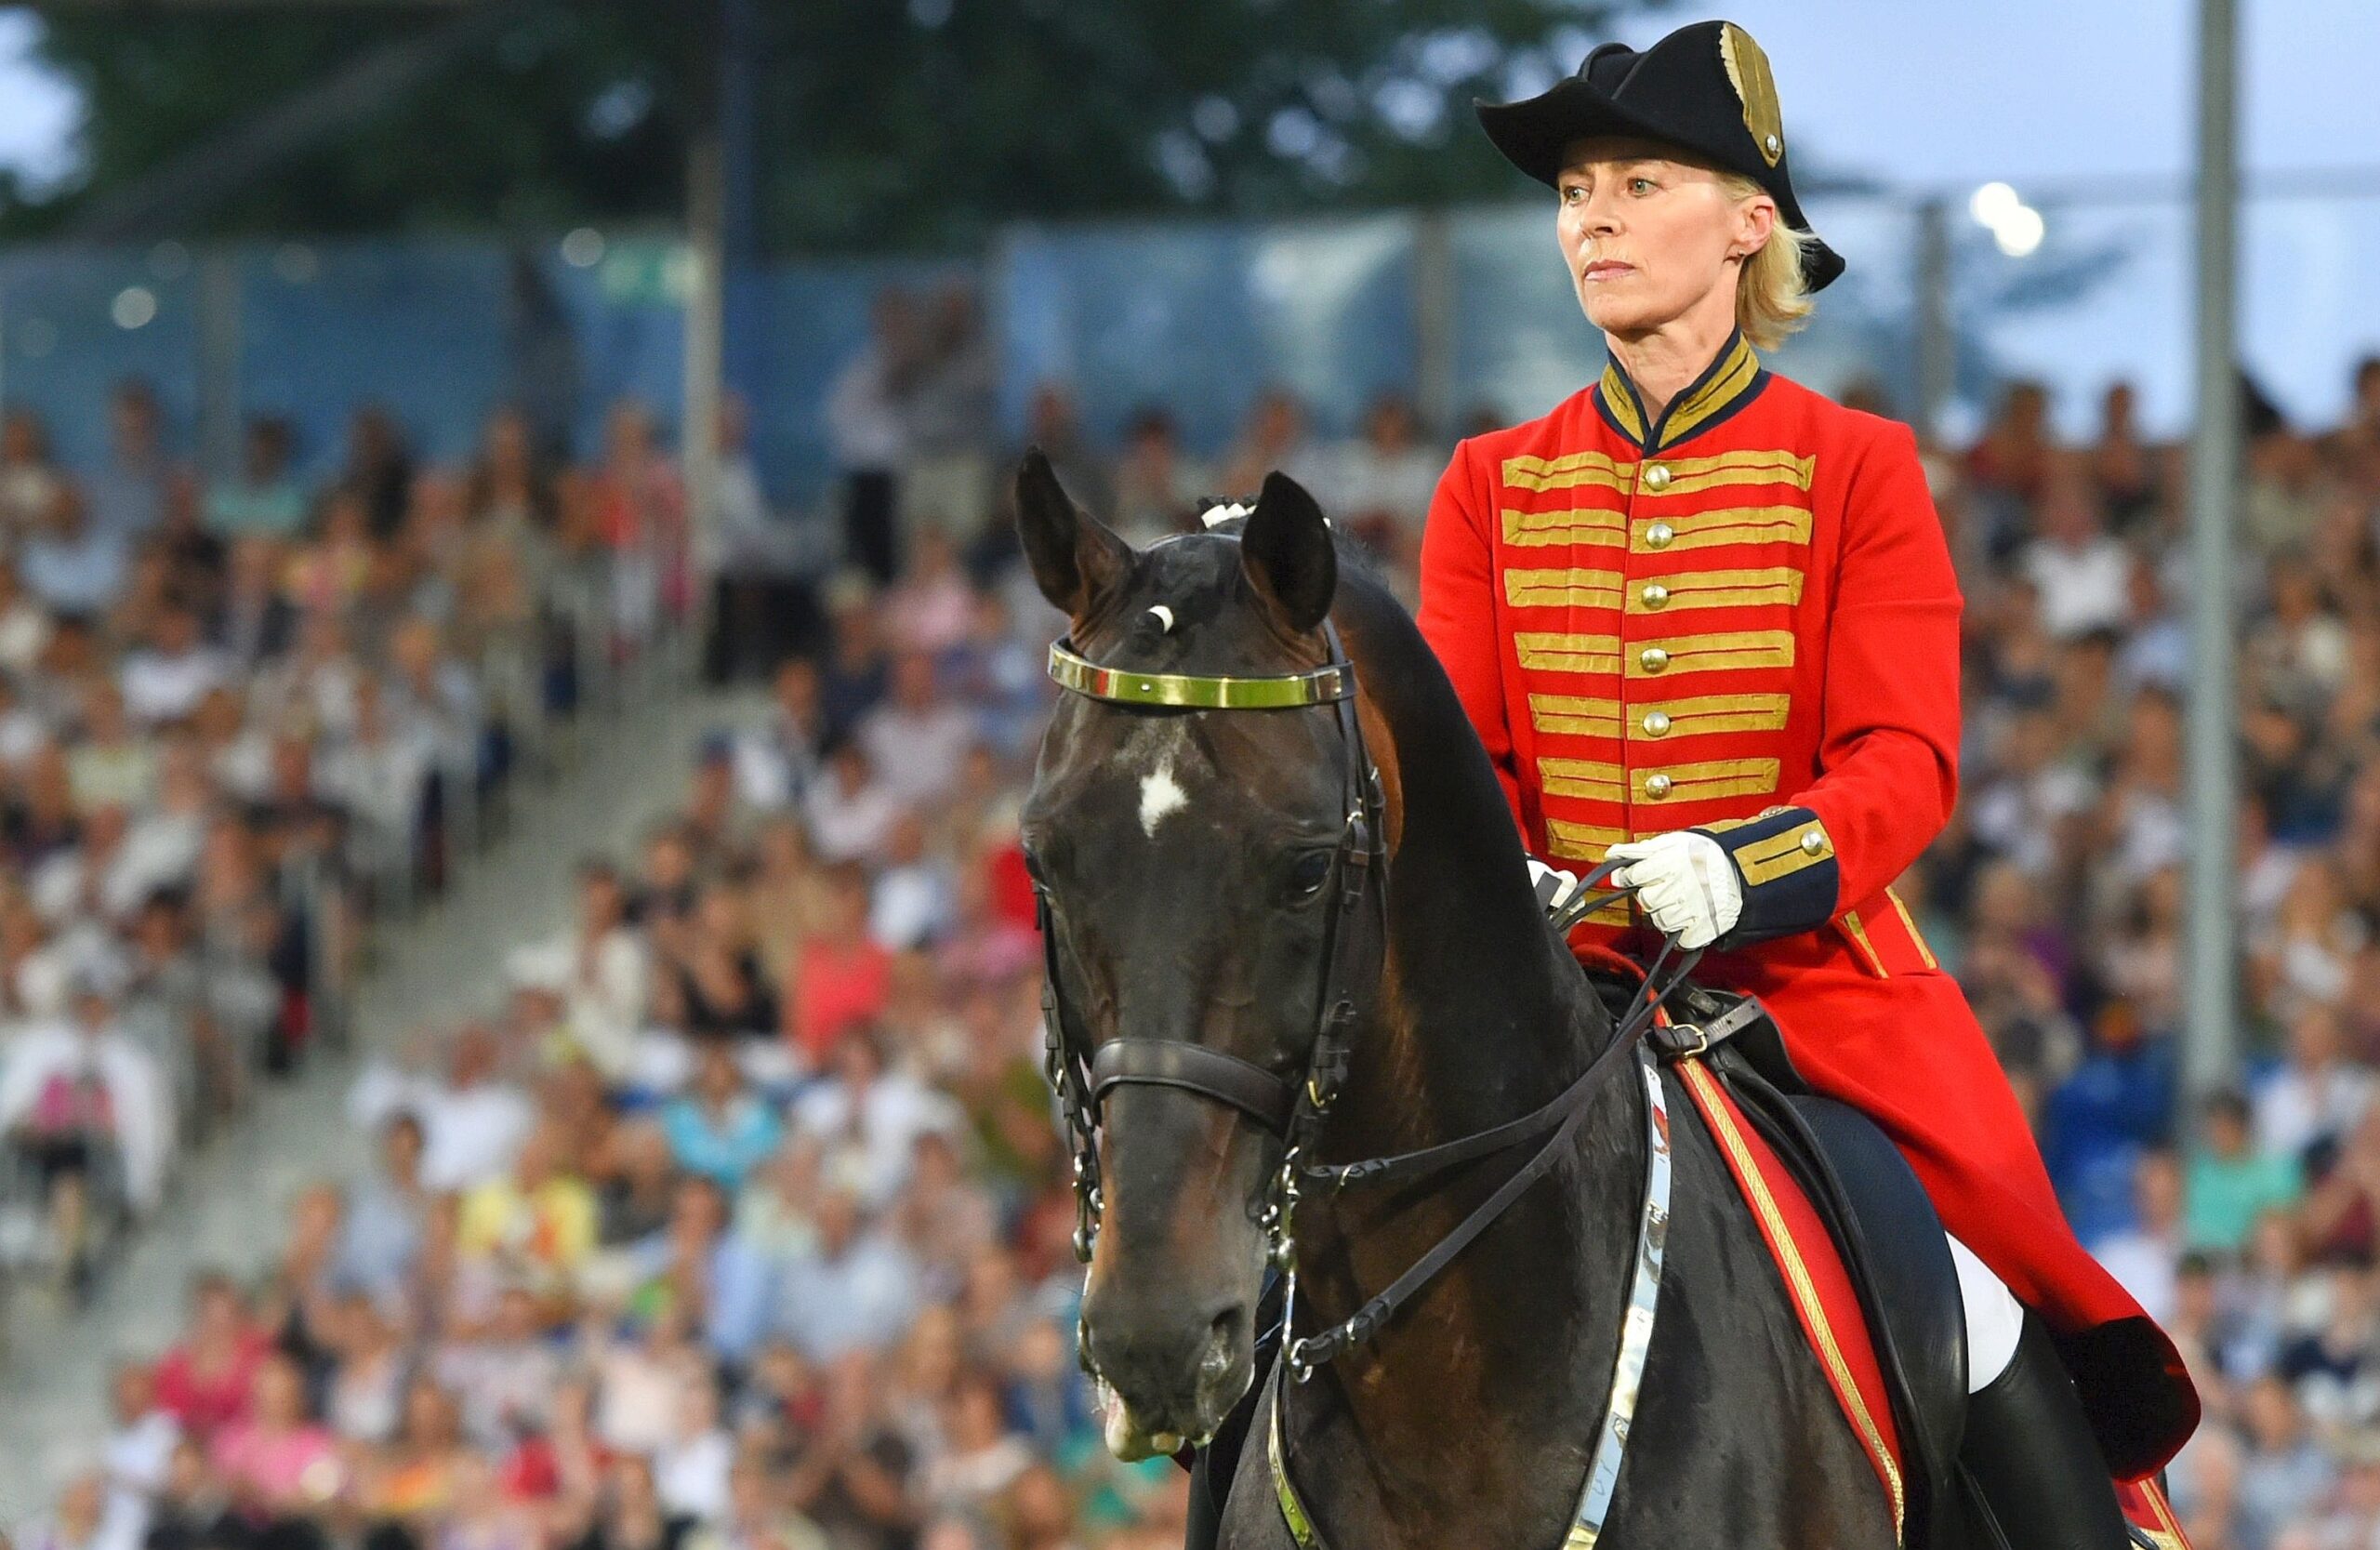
(2144, 1265)
(139, 1098)
(470, 1134)
(162, 687)
(865, 423)
(917, 753)
(136, 1456)
(860, 1299)
(910, 905)
(849, 826)
(870, 1150)
(2082, 588)
(2296, 1107)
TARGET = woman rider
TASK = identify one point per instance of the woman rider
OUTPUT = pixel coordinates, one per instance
(1705, 622)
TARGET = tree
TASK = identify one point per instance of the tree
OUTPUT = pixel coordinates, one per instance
(918, 123)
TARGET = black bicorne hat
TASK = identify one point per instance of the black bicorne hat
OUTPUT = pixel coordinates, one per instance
(1705, 89)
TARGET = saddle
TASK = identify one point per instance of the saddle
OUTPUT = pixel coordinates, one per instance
(1882, 1225)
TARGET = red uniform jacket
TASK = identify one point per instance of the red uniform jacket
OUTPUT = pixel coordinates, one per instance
(1742, 620)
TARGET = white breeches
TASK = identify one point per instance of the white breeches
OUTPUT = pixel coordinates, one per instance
(1994, 1317)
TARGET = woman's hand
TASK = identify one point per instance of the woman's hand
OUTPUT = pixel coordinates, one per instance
(1686, 882)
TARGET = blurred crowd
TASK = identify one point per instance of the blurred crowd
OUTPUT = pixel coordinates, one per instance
(2250, 1226)
(236, 715)
(740, 1219)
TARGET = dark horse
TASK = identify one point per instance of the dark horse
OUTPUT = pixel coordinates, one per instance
(1186, 856)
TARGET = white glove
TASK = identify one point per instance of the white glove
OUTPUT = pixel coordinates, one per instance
(1685, 883)
(1554, 885)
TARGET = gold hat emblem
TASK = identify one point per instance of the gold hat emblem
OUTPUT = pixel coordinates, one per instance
(1755, 87)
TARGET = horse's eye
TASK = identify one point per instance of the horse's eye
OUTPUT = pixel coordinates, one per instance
(1308, 873)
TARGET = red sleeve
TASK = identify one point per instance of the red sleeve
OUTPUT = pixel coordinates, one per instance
(1458, 611)
(1889, 744)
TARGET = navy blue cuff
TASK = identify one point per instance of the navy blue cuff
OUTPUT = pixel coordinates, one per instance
(1786, 860)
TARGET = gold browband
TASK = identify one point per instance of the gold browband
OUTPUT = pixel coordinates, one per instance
(1198, 692)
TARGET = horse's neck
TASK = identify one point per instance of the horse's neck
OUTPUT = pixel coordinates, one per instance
(1483, 1019)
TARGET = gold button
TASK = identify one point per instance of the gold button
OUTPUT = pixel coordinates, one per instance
(1655, 595)
(1657, 786)
(1657, 476)
(1657, 723)
(1812, 842)
(1660, 534)
(1654, 658)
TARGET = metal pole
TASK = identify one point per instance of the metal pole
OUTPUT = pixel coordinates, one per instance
(1938, 360)
(1434, 308)
(218, 362)
(705, 331)
(2211, 1045)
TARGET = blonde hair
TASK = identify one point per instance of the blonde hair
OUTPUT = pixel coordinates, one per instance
(1770, 298)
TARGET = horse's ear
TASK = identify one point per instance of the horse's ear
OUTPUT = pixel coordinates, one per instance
(1287, 553)
(1075, 561)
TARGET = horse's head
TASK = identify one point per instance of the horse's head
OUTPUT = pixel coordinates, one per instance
(1200, 833)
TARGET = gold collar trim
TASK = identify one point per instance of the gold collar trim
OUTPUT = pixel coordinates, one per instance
(1725, 385)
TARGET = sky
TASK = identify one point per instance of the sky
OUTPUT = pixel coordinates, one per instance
(1948, 91)
(1914, 91)
(1944, 95)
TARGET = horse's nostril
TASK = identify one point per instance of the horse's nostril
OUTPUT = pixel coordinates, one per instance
(1223, 1336)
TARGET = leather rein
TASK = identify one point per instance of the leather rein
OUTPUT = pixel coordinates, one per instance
(1355, 943)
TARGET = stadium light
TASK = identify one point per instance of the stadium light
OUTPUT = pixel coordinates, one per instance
(2015, 226)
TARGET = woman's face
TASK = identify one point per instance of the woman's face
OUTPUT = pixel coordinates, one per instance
(1646, 238)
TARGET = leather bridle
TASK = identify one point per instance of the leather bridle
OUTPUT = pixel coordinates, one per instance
(1356, 938)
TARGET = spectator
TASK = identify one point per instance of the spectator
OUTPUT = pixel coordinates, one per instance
(1158, 487)
(842, 976)
(1382, 485)
(81, 1520)
(717, 1129)
(266, 501)
(946, 480)
(379, 471)
(206, 1380)
(165, 682)
(128, 494)
(534, 1224)
(2228, 1182)
(472, 1121)
(631, 1515)
(386, 1214)
(855, 1291)
(869, 431)
(283, 1465)
(32, 488)
(1274, 439)
(916, 738)
(73, 565)
(2315, 1096)
(2147, 1258)
(2082, 575)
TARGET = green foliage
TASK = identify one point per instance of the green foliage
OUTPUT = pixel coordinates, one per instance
(916, 124)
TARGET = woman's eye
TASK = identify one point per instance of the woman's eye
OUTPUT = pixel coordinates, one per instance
(1639, 185)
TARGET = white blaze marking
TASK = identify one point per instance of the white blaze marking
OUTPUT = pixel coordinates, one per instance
(1164, 617)
(1160, 794)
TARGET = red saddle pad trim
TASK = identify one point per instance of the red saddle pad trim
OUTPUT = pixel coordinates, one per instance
(1815, 1280)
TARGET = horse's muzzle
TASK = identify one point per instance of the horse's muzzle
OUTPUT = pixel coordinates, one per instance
(1167, 1377)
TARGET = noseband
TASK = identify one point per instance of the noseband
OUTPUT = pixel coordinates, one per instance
(1355, 941)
